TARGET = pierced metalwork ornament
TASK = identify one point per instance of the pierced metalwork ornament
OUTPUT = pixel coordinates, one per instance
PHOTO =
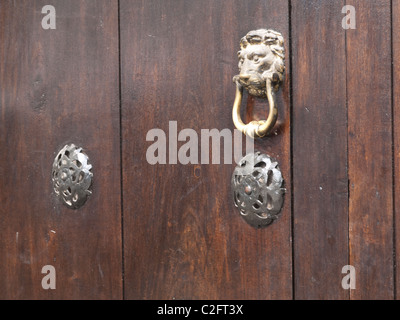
(72, 176)
(257, 189)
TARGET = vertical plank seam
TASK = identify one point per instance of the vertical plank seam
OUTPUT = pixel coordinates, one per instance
(291, 148)
(347, 152)
(121, 154)
(393, 154)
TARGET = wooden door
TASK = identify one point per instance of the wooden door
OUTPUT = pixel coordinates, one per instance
(113, 71)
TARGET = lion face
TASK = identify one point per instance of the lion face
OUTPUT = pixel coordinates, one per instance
(260, 58)
(254, 63)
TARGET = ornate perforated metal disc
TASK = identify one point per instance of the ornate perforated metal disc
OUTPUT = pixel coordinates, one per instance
(72, 176)
(257, 189)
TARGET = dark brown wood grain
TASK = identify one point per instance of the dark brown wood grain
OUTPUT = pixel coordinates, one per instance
(370, 150)
(396, 137)
(320, 203)
(59, 86)
(183, 237)
(113, 70)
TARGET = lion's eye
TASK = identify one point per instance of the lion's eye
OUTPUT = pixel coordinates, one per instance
(256, 58)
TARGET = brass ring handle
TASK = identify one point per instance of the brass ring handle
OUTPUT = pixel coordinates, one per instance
(256, 128)
(261, 66)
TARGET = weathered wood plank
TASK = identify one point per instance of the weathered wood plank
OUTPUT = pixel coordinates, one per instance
(59, 86)
(370, 150)
(396, 131)
(183, 236)
(320, 203)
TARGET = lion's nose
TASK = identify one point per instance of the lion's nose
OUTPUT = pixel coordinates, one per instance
(244, 76)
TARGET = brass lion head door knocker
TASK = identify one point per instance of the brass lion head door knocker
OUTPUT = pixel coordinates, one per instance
(257, 180)
(261, 67)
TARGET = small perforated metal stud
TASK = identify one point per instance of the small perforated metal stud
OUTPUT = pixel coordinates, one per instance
(257, 189)
(72, 176)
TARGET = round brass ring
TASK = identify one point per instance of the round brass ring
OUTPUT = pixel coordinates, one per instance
(260, 128)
